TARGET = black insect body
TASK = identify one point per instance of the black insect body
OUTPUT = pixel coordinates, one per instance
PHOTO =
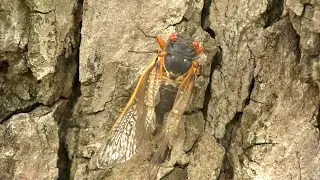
(168, 92)
(157, 103)
(177, 61)
(179, 57)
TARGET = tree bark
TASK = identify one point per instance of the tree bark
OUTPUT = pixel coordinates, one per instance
(66, 73)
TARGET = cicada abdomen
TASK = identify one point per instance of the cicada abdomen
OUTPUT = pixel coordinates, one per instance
(156, 105)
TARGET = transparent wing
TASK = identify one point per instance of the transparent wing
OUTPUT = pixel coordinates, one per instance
(134, 123)
(173, 120)
(181, 103)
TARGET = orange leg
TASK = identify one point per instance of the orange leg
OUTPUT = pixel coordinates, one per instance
(188, 78)
(161, 66)
(161, 55)
(161, 42)
(199, 50)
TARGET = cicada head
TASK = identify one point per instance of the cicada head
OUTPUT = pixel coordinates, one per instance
(181, 54)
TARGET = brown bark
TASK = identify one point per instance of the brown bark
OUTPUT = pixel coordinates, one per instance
(255, 106)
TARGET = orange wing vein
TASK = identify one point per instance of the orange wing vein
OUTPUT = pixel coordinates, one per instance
(173, 120)
(135, 122)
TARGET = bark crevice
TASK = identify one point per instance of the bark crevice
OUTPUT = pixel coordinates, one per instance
(4, 66)
(205, 24)
(40, 12)
(24, 110)
(64, 159)
(215, 64)
(250, 89)
(318, 123)
(227, 169)
(273, 13)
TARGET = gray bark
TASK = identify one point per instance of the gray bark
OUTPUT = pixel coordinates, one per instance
(66, 74)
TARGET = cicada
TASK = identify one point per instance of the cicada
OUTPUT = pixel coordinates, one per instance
(158, 102)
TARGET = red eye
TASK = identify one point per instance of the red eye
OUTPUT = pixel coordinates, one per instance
(195, 45)
(172, 38)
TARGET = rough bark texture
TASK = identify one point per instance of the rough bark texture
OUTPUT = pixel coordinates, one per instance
(66, 73)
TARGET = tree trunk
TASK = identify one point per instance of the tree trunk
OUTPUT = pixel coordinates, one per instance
(67, 71)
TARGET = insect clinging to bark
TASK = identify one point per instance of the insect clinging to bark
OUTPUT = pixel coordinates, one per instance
(157, 103)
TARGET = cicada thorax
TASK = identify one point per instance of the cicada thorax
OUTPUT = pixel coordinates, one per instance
(177, 61)
(178, 57)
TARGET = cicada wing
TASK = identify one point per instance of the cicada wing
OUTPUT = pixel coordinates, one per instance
(151, 99)
(132, 125)
(121, 144)
(181, 103)
(172, 121)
